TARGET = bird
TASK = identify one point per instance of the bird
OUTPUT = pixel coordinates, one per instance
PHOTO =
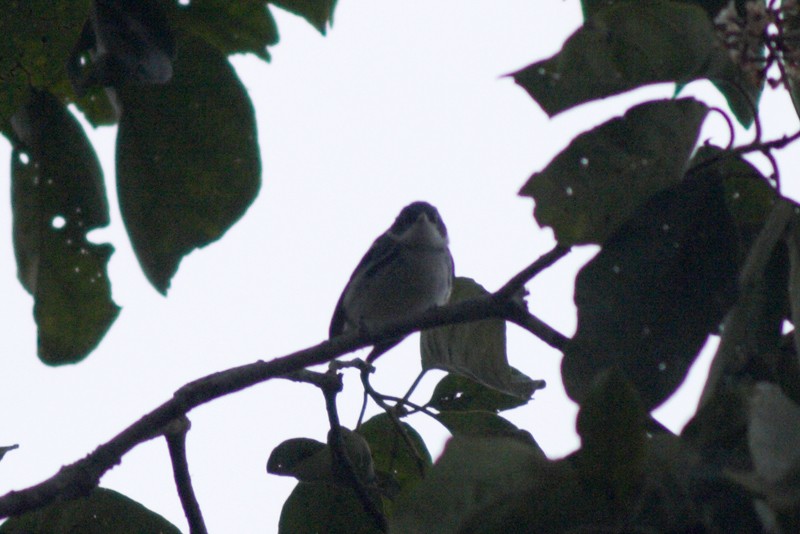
(407, 270)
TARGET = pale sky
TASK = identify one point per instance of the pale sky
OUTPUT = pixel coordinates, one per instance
(402, 101)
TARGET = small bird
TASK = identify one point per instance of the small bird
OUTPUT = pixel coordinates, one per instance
(407, 270)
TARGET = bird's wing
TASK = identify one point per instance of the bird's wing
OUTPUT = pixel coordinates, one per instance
(381, 251)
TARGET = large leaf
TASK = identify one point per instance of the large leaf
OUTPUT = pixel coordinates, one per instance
(391, 453)
(607, 173)
(319, 13)
(232, 27)
(476, 350)
(58, 197)
(187, 159)
(628, 44)
(613, 440)
(648, 300)
(315, 507)
(102, 512)
(37, 38)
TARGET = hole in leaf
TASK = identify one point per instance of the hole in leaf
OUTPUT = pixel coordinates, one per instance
(58, 222)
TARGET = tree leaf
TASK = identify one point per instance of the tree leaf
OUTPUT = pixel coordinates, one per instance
(613, 440)
(481, 423)
(315, 507)
(187, 159)
(607, 173)
(458, 393)
(123, 43)
(476, 350)
(305, 459)
(319, 13)
(648, 300)
(58, 197)
(38, 38)
(244, 26)
(628, 44)
(391, 455)
(101, 512)
(472, 476)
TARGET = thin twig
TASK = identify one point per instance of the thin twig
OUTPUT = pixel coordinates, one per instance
(341, 458)
(398, 425)
(176, 443)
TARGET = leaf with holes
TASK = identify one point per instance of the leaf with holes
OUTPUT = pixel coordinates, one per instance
(649, 299)
(628, 44)
(607, 173)
(58, 197)
(188, 162)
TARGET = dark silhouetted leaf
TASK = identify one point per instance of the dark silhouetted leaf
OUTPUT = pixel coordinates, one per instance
(476, 350)
(243, 26)
(102, 512)
(309, 460)
(473, 478)
(124, 42)
(456, 392)
(58, 197)
(319, 13)
(613, 439)
(303, 458)
(607, 173)
(627, 44)
(316, 507)
(648, 300)
(187, 165)
(391, 454)
(486, 424)
(37, 38)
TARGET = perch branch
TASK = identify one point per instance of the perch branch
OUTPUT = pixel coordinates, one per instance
(79, 478)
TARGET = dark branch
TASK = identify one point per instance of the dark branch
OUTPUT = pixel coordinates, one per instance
(343, 461)
(176, 442)
(82, 476)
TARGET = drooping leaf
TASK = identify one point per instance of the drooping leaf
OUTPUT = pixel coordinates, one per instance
(123, 43)
(58, 197)
(627, 44)
(391, 454)
(315, 507)
(648, 300)
(101, 512)
(476, 350)
(188, 166)
(458, 393)
(244, 26)
(319, 13)
(606, 174)
(37, 38)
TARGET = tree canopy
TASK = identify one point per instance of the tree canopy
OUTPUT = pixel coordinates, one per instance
(695, 240)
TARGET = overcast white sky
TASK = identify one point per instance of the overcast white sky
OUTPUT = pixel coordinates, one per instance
(402, 101)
